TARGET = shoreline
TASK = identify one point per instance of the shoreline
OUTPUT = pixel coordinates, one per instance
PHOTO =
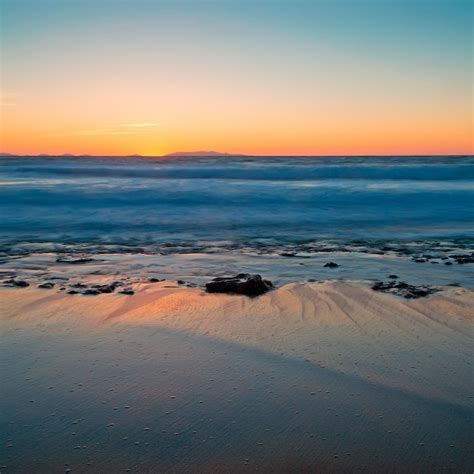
(428, 263)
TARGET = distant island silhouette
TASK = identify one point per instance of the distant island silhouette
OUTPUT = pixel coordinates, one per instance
(201, 153)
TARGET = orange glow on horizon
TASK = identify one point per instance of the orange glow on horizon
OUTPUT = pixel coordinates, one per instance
(32, 132)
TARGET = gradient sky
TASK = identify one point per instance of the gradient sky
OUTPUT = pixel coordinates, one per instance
(255, 77)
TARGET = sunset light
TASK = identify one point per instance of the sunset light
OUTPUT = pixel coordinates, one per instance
(264, 78)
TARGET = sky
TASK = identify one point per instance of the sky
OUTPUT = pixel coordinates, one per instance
(260, 77)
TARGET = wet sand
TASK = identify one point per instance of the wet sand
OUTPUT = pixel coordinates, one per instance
(314, 377)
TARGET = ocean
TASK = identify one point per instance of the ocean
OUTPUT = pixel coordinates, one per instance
(282, 206)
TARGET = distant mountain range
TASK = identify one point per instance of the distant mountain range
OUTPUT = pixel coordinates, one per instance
(169, 155)
(217, 154)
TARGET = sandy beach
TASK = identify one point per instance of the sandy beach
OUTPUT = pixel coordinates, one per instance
(328, 376)
(236, 236)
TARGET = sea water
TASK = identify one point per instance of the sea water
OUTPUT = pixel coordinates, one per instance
(214, 205)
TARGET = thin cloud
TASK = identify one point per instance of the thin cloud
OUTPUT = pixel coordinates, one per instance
(106, 131)
(141, 124)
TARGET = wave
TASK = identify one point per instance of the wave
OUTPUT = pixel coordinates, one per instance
(208, 199)
(249, 170)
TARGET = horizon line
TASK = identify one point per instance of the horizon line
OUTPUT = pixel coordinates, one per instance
(229, 155)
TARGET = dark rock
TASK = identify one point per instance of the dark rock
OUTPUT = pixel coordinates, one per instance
(180, 282)
(91, 291)
(420, 260)
(127, 291)
(288, 254)
(72, 292)
(154, 280)
(241, 284)
(46, 286)
(378, 285)
(331, 265)
(110, 288)
(448, 263)
(73, 260)
(17, 283)
(416, 293)
(393, 277)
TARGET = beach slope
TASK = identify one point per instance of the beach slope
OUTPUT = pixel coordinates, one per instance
(326, 376)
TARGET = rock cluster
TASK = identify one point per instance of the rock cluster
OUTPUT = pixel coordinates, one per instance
(460, 259)
(401, 288)
(17, 283)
